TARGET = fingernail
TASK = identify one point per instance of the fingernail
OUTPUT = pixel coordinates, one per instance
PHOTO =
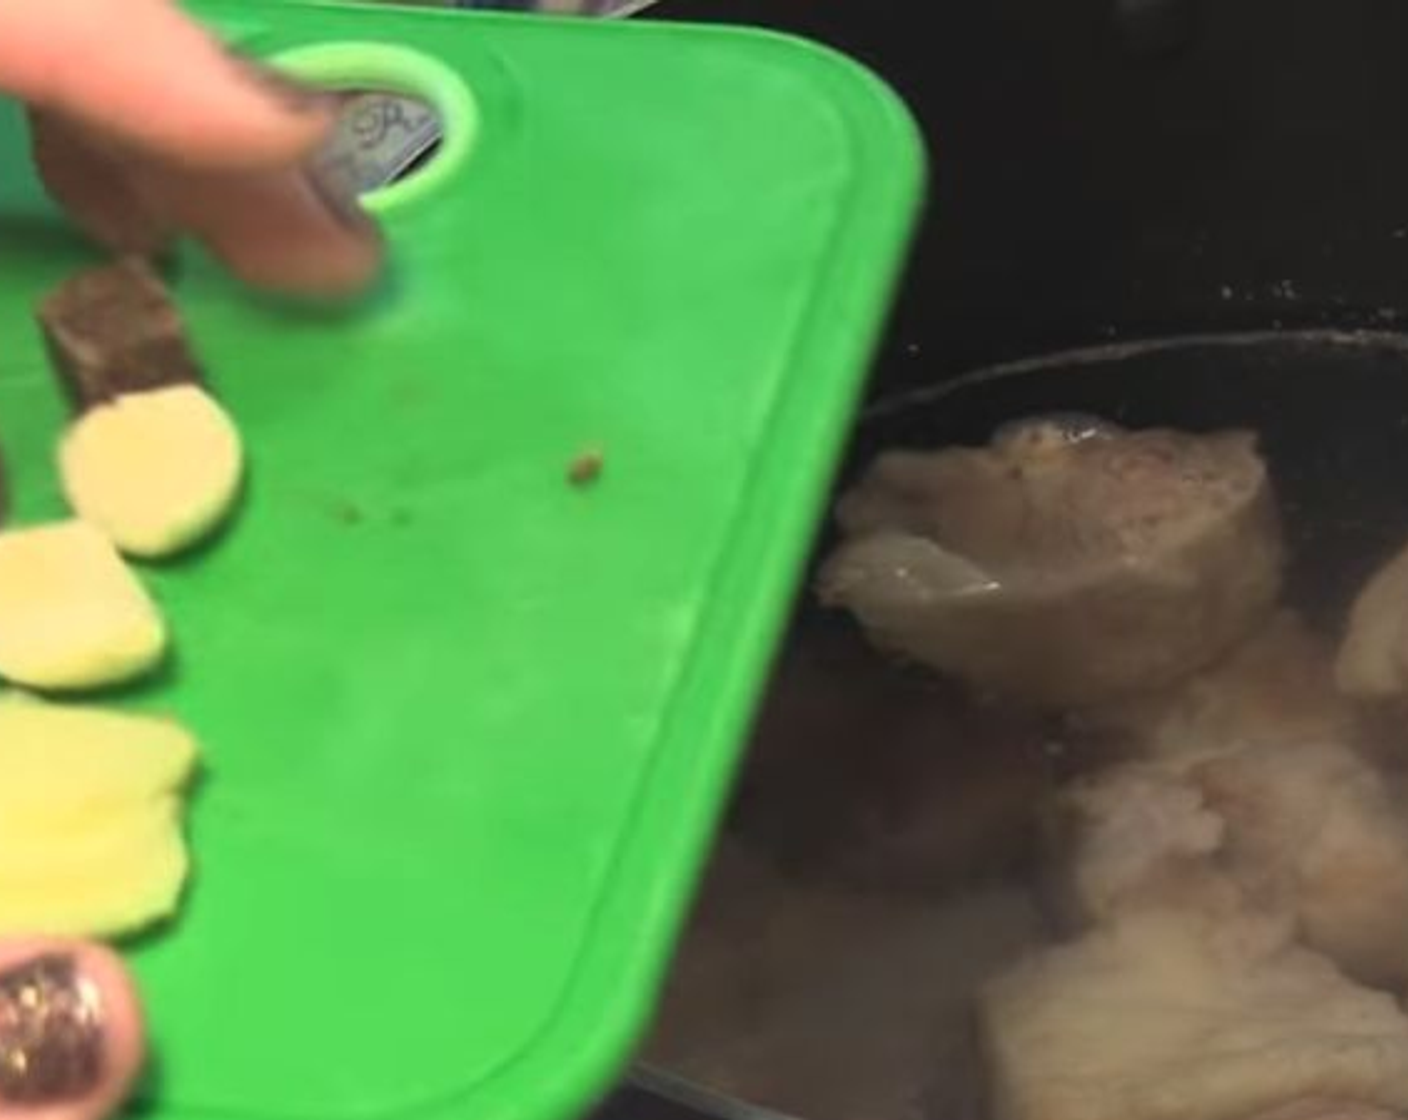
(290, 93)
(51, 1032)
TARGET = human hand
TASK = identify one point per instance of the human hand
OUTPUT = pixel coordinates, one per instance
(71, 1039)
(146, 129)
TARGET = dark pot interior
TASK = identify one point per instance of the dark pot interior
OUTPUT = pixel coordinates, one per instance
(1227, 183)
(897, 822)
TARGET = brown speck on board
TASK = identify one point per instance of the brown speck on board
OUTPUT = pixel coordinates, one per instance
(348, 512)
(586, 467)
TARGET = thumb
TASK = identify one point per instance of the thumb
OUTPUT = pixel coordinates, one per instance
(145, 74)
(71, 1039)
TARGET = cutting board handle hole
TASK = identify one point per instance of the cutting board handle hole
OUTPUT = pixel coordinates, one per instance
(409, 125)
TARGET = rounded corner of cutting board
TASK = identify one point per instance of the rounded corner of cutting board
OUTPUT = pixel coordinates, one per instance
(875, 111)
(567, 1057)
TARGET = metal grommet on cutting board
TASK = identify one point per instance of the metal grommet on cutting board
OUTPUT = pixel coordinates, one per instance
(409, 121)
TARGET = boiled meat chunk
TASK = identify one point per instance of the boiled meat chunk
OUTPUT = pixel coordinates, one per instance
(1319, 824)
(1373, 659)
(1139, 837)
(1276, 687)
(1062, 566)
(1308, 832)
(1149, 1018)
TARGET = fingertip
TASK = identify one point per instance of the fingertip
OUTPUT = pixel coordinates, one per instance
(333, 264)
(330, 277)
(288, 233)
(72, 1038)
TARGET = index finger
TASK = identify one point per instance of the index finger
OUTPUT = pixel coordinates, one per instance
(145, 74)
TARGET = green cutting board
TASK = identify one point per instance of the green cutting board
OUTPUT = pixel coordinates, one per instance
(468, 726)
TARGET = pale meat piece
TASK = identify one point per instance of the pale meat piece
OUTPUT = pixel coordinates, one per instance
(1062, 566)
(1321, 826)
(1138, 837)
(1373, 658)
(1276, 687)
(1150, 1018)
(1306, 832)
(1265, 745)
